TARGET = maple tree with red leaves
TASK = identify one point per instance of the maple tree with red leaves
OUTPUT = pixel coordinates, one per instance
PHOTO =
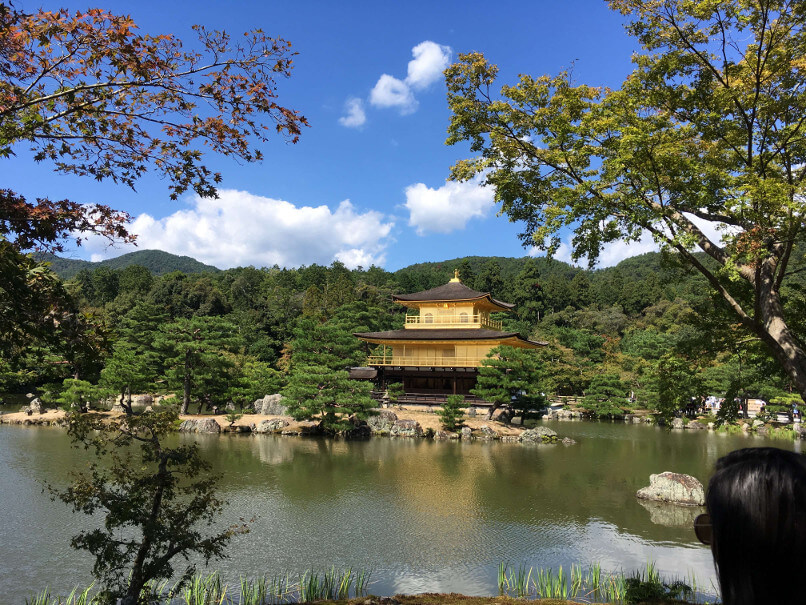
(89, 93)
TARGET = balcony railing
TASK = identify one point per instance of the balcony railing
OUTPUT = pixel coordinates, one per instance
(455, 321)
(427, 362)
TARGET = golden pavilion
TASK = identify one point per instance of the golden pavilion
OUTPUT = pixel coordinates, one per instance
(441, 346)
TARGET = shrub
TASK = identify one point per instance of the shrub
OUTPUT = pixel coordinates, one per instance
(451, 415)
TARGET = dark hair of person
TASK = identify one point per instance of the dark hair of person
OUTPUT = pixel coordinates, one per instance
(757, 503)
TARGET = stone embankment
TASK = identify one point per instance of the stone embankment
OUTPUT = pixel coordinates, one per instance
(749, 426)
(270, 418)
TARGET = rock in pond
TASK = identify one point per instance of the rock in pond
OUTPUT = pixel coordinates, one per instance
(199, 425)
(678, 423)
(270, 405)
(487, 433)
(540, 434)
(695, 426)
(467, 433)
(383, 422)
(675, 488)
(406, 428)
(271, 426)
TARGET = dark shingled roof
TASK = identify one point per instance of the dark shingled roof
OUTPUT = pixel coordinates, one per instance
(451, 291)
(445, 334)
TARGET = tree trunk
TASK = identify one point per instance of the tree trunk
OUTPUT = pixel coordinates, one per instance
(186, 386)
(771, 327)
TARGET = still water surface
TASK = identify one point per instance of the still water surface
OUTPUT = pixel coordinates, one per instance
(424, 515)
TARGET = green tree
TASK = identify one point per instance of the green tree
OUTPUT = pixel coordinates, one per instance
(135, 279)
(606, 396)
(510, 376)
(489, 279)
(679, 384)
(450, 414)
(316, 392)
(125, 372)
(194, 352)
(256, 379)
(466, 273)
(704, 136)
(153, 499)
(78, 395)
(527, 292)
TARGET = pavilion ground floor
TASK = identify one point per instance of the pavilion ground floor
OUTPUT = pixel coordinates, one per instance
(423, 385)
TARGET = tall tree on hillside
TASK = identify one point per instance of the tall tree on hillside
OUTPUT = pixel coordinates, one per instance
(705, 137)
(489, 279)
(527, 292)
(87, 92)
(466, 273)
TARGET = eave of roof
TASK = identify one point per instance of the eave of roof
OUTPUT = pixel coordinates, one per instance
(445, 334)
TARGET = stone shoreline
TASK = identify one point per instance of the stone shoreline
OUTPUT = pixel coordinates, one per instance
(402, 423)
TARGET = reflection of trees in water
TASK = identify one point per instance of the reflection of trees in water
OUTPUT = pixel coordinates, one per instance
(432, 486)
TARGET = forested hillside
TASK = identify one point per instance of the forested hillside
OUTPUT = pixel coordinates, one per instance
(156, 261)
(645, 330)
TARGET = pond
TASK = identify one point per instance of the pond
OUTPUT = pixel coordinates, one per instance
(423, 515)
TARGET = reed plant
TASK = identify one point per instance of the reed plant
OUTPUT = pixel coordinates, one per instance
(74, 598)
(593, 585)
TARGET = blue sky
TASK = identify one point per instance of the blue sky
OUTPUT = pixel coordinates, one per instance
(367, 181)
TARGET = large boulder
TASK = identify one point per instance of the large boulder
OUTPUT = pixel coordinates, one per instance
(36, 407)
(270, 405)
(358, 429)
(467, 433)
(540, 434)
(382, 423)
(695, 426)
(271, 426)
(406, 428)
(199, 425)
(675, 488)
(678, 423)
(143, 400)
(488, 433)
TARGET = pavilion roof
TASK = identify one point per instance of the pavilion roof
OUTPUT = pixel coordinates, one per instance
(451, 292)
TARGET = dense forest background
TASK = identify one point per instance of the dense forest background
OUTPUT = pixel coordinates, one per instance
(151, 320)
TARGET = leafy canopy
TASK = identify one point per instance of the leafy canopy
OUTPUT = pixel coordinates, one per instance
(703, 147)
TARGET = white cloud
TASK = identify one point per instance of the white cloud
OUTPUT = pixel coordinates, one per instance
(239, 229)
(448, 208)
(612, 253)
(355, 114)
(391, 92)
(430, 60)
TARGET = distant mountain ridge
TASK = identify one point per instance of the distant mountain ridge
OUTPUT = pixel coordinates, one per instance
(156, 261)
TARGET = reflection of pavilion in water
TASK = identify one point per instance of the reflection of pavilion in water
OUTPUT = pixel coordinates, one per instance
(439, 350)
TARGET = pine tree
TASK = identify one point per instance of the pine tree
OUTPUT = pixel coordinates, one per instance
(606, 396)
(126, 371)
(450, 414)
(194, 352)
(316, 392)
(510, 376)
